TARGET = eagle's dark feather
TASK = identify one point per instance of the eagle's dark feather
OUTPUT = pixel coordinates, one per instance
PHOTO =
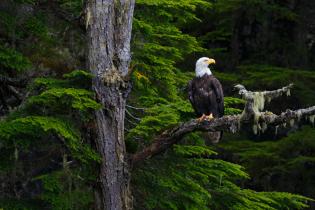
(206, 96)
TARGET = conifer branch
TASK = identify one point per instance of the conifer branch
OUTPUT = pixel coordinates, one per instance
(230, 123)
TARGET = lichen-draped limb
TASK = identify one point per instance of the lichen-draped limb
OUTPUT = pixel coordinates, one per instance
(255, 103)
(247, 95)
(252, 114)
(229, 123)
(287, 116)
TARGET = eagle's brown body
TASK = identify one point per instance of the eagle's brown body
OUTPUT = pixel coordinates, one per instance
(206, 96)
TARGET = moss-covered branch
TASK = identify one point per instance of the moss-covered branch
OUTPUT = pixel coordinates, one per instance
(230, 123)
(255, 101)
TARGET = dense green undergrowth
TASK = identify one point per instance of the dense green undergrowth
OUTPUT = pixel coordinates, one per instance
(51, 122)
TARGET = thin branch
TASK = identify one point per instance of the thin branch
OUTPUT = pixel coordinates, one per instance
(2, 100)
(247, 95)
(136, 108)
(132, 116)
(54, 6)
(15, 93)
(131, 122)
(13, 82)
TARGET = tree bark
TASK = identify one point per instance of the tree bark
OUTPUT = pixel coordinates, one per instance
(109, 24)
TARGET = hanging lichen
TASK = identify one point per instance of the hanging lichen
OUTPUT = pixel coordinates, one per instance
(258, 106)
(255, 129)
(276, 130)
(299, 115)
(259, 102)
(264, 127)
(288, 92)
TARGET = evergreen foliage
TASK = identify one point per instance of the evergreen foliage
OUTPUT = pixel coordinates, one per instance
(158, 43)
(50, 116)
(11, 60)
(187, 179)
(52, 126)
(64, 190)
(286, 161)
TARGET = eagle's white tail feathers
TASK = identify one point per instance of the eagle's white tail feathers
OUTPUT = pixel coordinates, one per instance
(212, 137)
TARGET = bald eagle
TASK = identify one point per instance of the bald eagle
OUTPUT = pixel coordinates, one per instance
(205, 93)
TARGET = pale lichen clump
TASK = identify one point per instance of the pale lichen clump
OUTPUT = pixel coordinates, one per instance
(268, 98)
(288, 92)
(276, 130)
(259, 102)
(299, 115)
(264, 127)
(112, 78)
(258, 106)
(255, 129)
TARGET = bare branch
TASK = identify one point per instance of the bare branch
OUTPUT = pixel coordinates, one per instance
(136, 108)
(231, 123)
(15, 93)
(132, 116)
(13, 82)
(247, 95)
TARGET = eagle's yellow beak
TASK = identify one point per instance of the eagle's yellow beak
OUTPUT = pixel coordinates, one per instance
(211, 61)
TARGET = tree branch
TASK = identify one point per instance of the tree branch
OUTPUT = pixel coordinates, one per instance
(231, 123)
(15, 93)
(12, 81)
(255, 101)
(54, 6)
(247, 95)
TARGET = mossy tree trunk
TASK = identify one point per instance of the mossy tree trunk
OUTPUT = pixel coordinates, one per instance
(109, 24)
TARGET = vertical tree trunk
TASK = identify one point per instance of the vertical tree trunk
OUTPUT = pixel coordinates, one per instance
(109, 24)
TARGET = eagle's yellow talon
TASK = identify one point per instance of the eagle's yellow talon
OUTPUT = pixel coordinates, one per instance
(202, 118)
(209, 117)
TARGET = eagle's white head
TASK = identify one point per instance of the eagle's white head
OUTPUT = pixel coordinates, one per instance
(202, 66)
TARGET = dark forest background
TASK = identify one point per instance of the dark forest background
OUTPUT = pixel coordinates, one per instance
(47, 156)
